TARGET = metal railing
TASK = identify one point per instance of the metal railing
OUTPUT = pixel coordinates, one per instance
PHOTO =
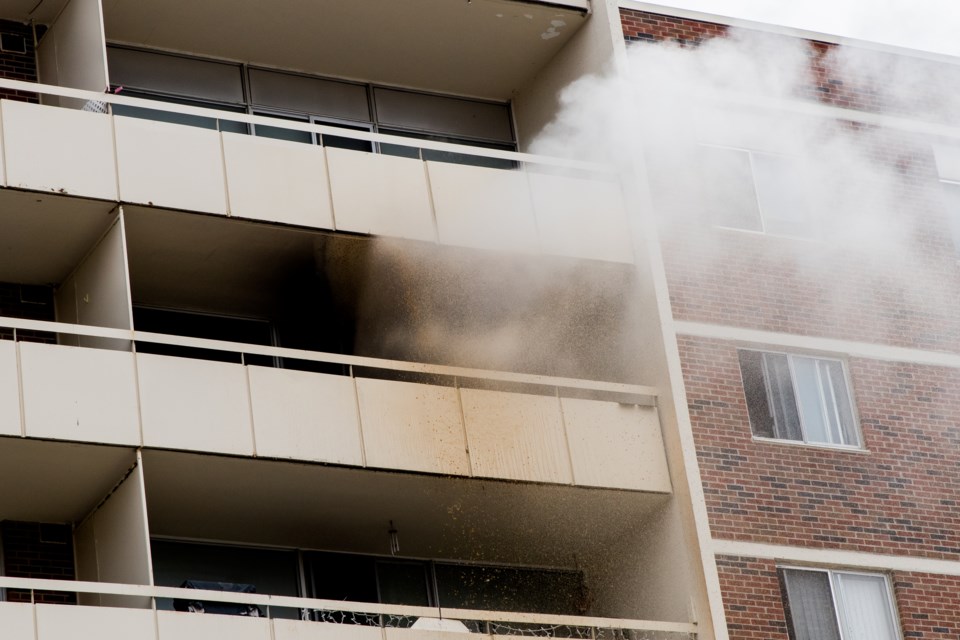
(643, 393)
(280, 123)
(496, 622)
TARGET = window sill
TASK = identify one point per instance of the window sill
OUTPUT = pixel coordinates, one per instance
(810, 445)
(767, 234)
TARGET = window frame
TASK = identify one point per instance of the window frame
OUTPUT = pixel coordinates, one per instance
(372, 123)
(950, 189)
(856, 430)
(836, 595)
(764, 219)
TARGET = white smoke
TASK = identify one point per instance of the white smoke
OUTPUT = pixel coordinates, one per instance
(874, 225)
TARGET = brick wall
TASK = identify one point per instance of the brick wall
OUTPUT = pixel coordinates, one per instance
(33, 550)
(30, 302)
(899, 497)
(902, 289)
(838, 284)
(752, 600)
(928, 604)
(643, 26)
(18, 66)
(859, 81)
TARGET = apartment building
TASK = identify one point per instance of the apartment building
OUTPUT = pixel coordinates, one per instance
(293, 327)
(810, 259)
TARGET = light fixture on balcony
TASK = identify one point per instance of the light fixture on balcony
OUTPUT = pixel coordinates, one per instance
(394, 539)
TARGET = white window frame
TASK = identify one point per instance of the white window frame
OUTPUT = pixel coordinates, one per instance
(836, 594)
(857, 446)
(751, 155)
(953, 217)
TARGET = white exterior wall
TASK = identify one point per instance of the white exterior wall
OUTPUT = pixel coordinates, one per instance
(73, 51)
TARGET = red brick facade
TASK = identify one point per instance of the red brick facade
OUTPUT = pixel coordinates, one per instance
(752, 600)
(754, 608)
(18, 66)
(28, 302)
(830, 78)
(643, 26)
(901, 494)
(33, 550)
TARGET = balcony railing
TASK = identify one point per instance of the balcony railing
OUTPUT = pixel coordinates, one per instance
(478, 423)
(551, 206)
(131, 616)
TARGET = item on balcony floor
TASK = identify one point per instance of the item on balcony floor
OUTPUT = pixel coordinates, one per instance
(223, 608)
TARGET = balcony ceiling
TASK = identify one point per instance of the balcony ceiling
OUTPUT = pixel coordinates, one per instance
(311, 506)
(208, 263)
(43, 237)
(481, 48)
(57, 481)
(42, 11)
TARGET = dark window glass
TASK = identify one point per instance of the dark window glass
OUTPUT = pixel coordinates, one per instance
(269, 571)
(281, 133)
(341, 576)
(343, 142)
(810, 605)
(447, 156)
(180, 118)
(201, 325)
(403, 582)
(510, 589)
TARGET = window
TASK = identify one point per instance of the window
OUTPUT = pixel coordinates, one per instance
(159, 115)
(186, 80)
(833, 605)
(755, 191)
(950, 192)
(794, 397)
(203, 325)
(269, 571)
(306, 137)
(362, 578)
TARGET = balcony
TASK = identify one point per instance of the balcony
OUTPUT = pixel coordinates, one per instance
(302, 533)
(550, 207)
(456, 428)
(53, 622)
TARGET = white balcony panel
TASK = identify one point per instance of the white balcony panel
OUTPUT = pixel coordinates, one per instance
(9, 389)
(277, 180)
(194, 404)
(122, 541)
(306, 416)
(380, 194)
(424, 634)
(516, 436)
(410, 426)
(16, 620)
(298, 630)
(61, 150)
(170, 165)
(581, 218)
(483, 208)
(73, 48)
(175, 625)
(615, 445)
(77, 393)
(57, 622)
